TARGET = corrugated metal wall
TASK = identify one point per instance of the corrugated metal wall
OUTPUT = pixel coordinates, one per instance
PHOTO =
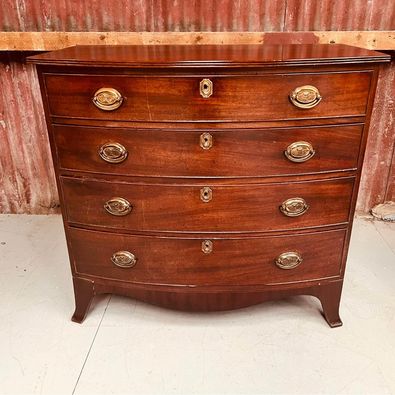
(376, 178)
(27, 181)
(196, 15)
(137, 15)
(334, 15)
(26, 174)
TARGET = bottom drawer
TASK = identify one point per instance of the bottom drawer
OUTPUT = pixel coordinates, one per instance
(219, 261)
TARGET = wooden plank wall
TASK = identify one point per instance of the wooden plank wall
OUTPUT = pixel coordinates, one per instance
(27, 182)
(47, 41)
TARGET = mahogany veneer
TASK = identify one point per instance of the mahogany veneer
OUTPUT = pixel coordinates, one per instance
(178, 208)
(208, 177)
(234, 261)
(235, 98)
(178, 151)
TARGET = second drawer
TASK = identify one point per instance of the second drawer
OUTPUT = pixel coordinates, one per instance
(208, 153)
(207, 208)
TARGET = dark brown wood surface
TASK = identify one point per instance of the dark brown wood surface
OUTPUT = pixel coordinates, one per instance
(179, 208)
(209, 298)
(83, 293)
(235, 98)
(213, 55)
(180, 261)
(163, 116)
(234, 153)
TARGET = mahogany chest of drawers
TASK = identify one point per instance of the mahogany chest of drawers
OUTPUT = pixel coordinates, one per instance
(208, 177)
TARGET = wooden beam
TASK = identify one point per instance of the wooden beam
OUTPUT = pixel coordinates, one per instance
(44, 41)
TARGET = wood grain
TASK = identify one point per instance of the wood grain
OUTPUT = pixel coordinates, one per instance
(46, 41)
(164, 99)
(234, 153)
(282, 54)
(179, 261)
(179, 208)
(169, 217)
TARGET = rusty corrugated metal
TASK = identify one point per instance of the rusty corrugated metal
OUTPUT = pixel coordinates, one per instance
(390, 193)
(335, 15)
(196, 15)
(26, 175)
(379, 150)
(142, 15)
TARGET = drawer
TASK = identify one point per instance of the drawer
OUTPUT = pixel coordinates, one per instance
(233, 98)
(208, 153)
(210, 208)
(182, 261)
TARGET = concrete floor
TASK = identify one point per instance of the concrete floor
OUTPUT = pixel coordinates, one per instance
(127, 347)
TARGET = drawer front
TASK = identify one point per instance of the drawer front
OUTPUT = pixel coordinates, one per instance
(211, 208)
(208, 153)
(183, 261)
(233, 98)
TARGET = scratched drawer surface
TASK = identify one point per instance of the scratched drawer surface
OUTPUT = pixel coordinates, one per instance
(208, 153)
(180, 261)
(211, 208)
(208, 97)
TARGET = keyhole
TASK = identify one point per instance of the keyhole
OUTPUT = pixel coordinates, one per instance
(205, 86)
(205, 194)
(207, 246)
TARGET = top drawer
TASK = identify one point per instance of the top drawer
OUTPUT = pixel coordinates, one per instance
(208, 98)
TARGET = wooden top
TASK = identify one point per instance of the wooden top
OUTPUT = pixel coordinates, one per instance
(208, 55)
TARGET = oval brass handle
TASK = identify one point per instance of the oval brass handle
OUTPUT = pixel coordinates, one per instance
(294, 207)
(206, 88)
(206, 194)
(299, 151)
(107, 99)
(113, 152)
(207, 246)
(288, 260)
(206, 140)
(124, 259)
(118, 206)
(306, 96)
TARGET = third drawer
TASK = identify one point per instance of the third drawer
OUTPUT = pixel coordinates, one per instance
(207, 208)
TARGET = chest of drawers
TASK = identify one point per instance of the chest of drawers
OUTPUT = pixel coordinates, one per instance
(208, 177)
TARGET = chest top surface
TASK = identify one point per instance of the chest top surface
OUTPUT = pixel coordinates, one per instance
(208, 55)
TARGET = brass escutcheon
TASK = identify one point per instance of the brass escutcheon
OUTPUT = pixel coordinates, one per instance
(306, 96)
(206, 140)
(206, 194)
(294, 207)
(288, 260)
(113, 152)
(118, 206)
(124, 259)
(107, 99)
(299, 151)
(207, 246)
(206, 88)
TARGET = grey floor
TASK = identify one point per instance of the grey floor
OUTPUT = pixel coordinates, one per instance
(127, 347)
